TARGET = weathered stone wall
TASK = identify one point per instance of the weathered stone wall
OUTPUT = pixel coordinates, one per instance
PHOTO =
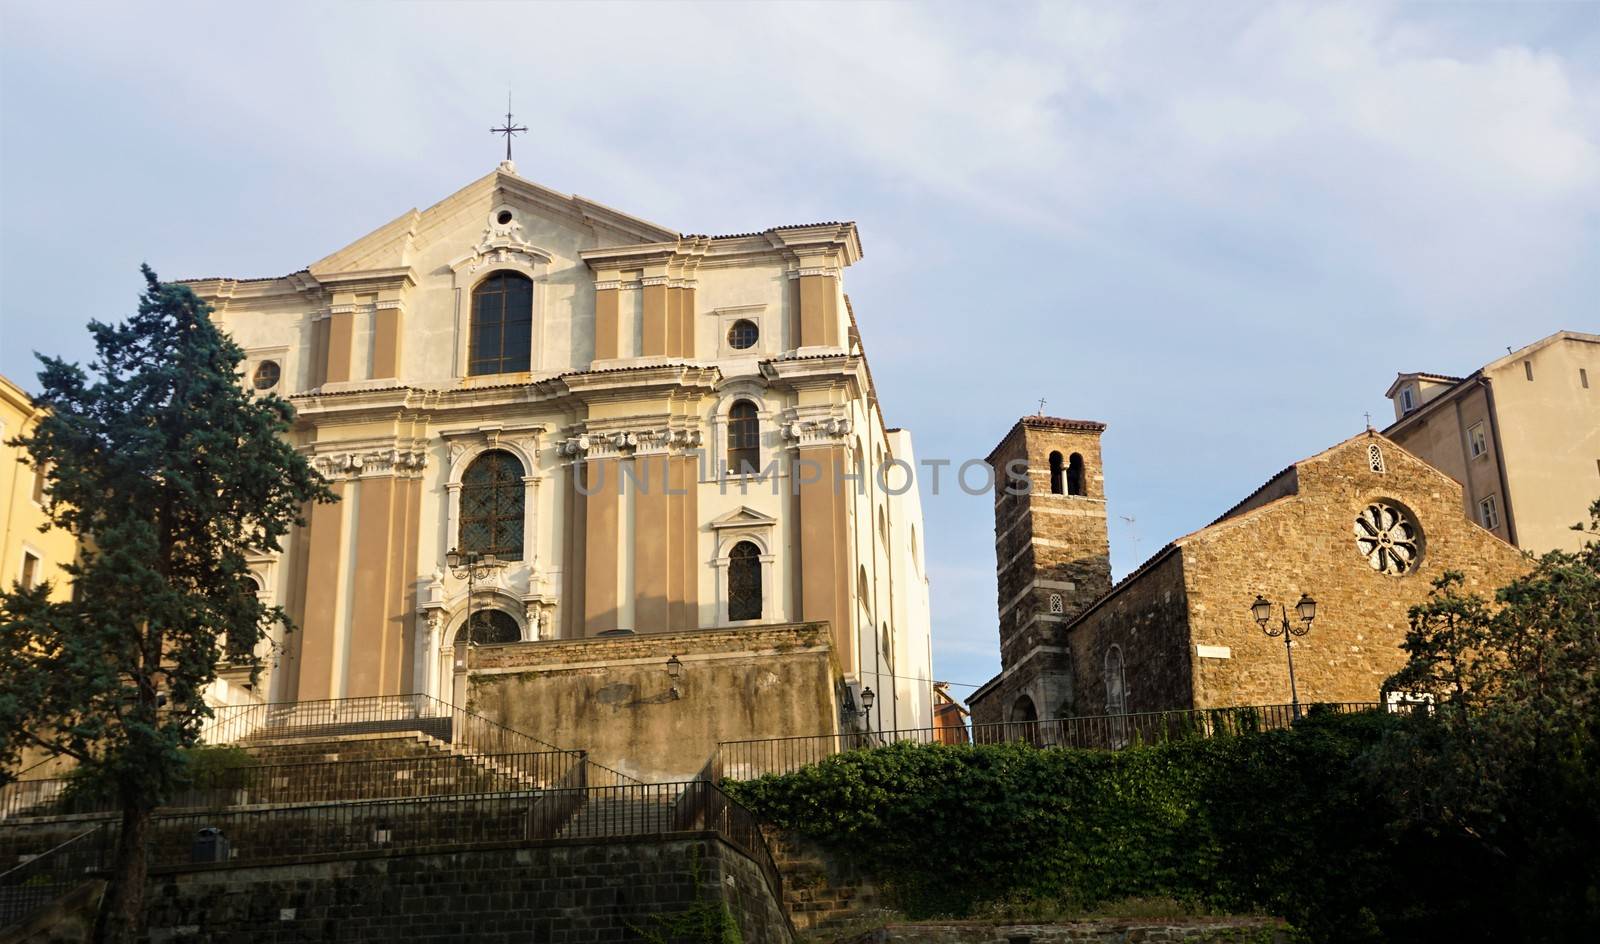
(1104, 931)
(1185, 627)
(1306, 544)
(556, 893)
(1148, 621)
(612, 696)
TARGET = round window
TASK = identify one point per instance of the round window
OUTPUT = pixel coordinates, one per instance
(503, 217)
(1389, 538)
(743, 334)
(267, 375)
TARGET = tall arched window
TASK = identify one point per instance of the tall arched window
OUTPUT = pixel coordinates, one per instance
(1116, 691)
(1055, 473)
(502, 325)
(492, 496)
(1075, 475)
(488, 628)
(744, 582)
(744, 439)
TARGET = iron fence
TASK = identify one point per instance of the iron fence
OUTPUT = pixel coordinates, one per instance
(385, 714)
(748, 759)
(263, 784)
(41, 880)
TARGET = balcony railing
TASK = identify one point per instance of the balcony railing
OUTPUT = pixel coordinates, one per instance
(748, 759)
(292, 833)
(322, 781)
(41, 880)
(384, 714)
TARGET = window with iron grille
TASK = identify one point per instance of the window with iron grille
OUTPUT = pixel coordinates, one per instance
(492, 497)
(489, 628)
(502, 325)
(744, 582)
(743, 334)
(744, 439)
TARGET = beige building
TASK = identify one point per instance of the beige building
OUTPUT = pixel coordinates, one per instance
(28, 556)
(1363, 528)
(652, 433)
(1521, 435)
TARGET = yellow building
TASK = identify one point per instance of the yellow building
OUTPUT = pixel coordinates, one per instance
(1521, 434)
(654, 435)
(28, 556)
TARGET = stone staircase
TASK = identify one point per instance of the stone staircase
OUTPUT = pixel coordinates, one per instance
(624, 811)
(821, 890)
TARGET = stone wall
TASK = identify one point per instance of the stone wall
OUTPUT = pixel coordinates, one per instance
(556, 893)
(612, 696)
(1147, 619)
(1104, 931)
(1184, 623)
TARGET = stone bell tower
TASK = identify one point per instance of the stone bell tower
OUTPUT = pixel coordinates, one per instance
(1052, 559)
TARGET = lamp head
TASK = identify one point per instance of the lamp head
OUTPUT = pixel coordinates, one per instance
(867, 698)
(1307, 607)
(1261, 609)
(452, 558)
(674, 668)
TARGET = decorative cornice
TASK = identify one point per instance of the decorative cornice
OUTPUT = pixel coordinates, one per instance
(355, 464)
(622, 443)
(830, 429)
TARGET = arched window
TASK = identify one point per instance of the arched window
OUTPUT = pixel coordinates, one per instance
(1116, 691)
(1075, 475)
(492, 496)
(744, 439)
(502, 325)
(489, 628)
(1055, 473)
(744, 582)
(888, 647)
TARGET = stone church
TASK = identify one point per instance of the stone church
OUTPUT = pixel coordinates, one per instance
(1363, 528)
(646, 438)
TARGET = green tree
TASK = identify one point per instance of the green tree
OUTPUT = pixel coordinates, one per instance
(172, 472)
(1507, 766)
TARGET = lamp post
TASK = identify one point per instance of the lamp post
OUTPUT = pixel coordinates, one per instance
(867, 698)
(675, 672)
(1261, 609)
(474, 567)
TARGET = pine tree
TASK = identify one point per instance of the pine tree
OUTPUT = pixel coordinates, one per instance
(172, 473)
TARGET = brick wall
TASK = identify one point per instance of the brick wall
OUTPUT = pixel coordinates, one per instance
(559, 894)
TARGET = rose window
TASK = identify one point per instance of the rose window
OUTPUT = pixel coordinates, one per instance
(1388, 538)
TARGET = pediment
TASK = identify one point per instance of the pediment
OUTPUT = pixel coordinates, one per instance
(744, 517)
(462, 222)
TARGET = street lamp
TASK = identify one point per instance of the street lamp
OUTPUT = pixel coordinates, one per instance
(866, 706)
(675, 672)
(1261, 609)
(474, 567)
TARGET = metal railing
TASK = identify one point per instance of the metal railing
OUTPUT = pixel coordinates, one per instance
(41, 880)
(291, 833)
(385, 714)
(321, 781)
(748, 759)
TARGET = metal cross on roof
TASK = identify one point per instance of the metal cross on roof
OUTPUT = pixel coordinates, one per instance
(1041, 406)
(508, 129)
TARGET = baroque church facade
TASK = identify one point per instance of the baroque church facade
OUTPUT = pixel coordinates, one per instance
(648, 432)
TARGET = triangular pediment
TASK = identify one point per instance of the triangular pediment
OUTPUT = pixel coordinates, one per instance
(458, 219)
(744, 517)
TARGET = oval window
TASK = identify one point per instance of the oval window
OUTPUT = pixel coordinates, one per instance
(743, 335)
(267, 375)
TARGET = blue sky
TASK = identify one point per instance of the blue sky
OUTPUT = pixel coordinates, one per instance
(1220, 228)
